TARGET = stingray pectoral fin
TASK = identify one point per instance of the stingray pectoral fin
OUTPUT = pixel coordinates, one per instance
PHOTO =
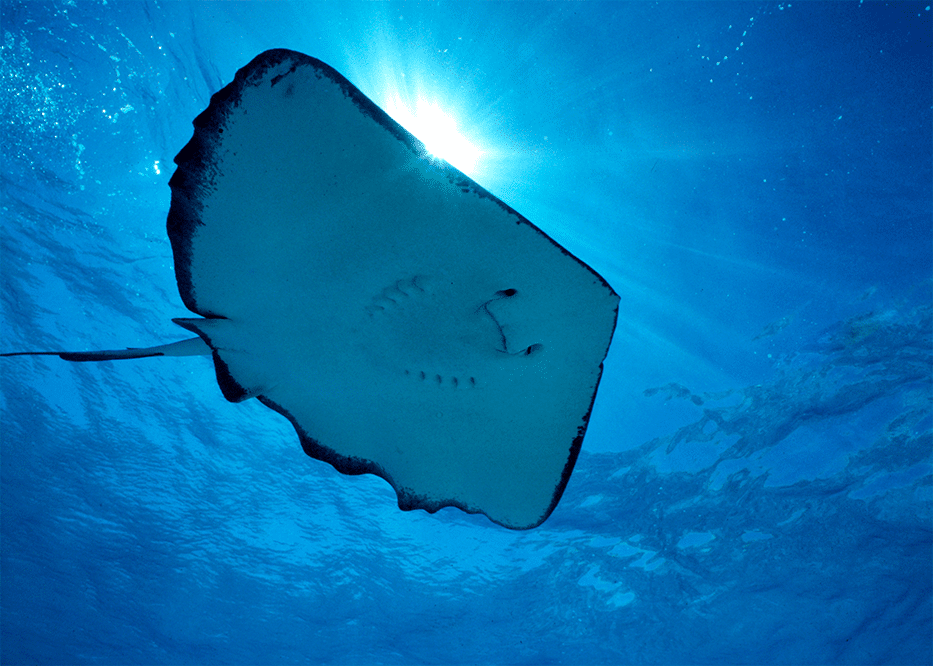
(190, 347)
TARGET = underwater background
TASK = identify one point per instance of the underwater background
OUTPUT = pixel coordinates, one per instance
(753, 179)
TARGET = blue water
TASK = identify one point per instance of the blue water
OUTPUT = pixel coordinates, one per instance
(753, 179)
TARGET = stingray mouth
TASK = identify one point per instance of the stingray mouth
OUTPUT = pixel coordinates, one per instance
(504, 347)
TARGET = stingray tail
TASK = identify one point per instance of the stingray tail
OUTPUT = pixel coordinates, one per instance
(190, 347)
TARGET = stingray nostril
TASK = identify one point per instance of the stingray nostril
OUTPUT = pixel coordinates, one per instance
(531, 349)
(507, 292)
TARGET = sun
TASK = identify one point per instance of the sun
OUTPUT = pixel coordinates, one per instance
(437, 131)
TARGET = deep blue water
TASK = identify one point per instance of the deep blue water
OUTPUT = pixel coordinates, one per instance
(754, 180)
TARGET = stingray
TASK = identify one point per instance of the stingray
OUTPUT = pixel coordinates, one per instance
(407, 323)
